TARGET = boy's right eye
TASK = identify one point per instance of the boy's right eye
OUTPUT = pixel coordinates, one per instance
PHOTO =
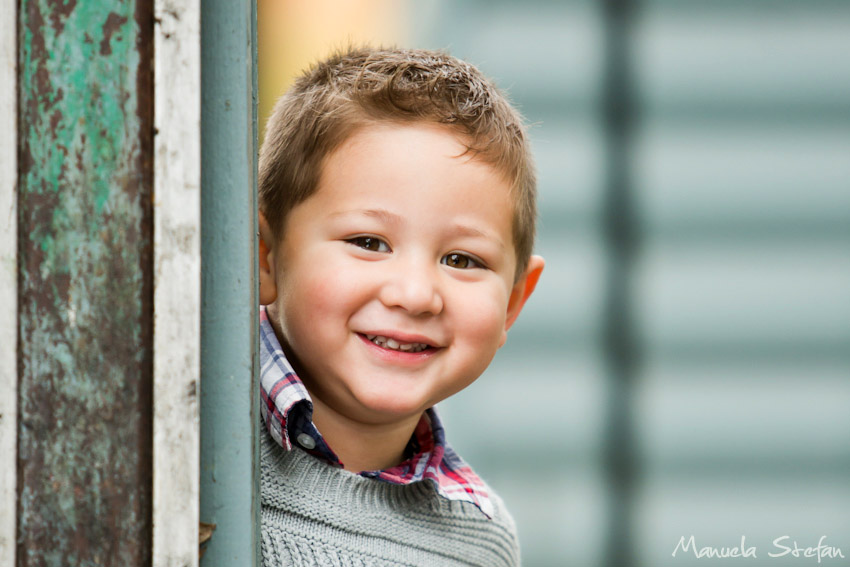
(370, 243)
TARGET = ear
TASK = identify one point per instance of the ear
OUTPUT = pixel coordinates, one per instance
(521, 291)
(268, 282)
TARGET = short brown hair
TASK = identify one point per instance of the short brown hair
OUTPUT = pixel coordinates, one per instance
(361, 86)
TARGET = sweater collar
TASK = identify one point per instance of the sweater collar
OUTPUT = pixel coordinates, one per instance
(287, 412)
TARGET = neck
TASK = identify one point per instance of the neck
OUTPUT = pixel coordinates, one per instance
(363, 446)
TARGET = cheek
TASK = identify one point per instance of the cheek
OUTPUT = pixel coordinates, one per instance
(305, 280)
(302, 294)
(319, 292)
(483, 316)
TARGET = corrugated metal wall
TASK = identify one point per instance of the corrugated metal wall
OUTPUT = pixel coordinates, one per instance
(684, 368)
(742, 171)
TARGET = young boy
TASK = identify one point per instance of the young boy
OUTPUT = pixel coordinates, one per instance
(397, 200)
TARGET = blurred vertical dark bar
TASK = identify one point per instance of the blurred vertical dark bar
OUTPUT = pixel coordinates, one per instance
(85, 282)
(620, 234)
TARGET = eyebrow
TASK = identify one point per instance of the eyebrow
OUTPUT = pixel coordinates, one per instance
(380, 214)
(465, 230)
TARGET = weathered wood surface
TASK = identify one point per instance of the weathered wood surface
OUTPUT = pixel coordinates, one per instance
(8, 281)
(177, 281)
(85, 229)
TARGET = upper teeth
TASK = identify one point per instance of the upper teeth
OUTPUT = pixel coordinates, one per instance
(395, 345)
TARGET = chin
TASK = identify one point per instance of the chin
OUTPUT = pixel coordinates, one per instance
(390, 407)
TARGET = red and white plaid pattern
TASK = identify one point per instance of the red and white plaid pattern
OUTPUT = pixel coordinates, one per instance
(288, 410)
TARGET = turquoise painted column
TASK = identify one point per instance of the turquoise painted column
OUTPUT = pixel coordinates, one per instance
(85, 283)
(229, 396)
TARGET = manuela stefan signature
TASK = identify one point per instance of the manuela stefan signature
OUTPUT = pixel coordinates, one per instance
(782, 546)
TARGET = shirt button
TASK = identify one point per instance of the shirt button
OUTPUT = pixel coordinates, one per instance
(306, 441)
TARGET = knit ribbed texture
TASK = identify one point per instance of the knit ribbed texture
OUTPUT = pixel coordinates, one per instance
(316, 514)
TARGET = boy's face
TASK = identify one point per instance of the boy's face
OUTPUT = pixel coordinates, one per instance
(393, 286)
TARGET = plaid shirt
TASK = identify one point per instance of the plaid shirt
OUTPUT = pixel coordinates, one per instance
(288, 414)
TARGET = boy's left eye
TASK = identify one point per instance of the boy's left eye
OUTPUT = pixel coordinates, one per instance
(460, 261)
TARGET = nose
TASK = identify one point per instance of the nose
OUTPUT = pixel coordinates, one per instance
(413, 285)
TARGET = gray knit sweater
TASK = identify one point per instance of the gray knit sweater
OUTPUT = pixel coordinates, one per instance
(316, 514)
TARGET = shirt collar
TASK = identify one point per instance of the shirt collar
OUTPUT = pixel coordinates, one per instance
(287, 412)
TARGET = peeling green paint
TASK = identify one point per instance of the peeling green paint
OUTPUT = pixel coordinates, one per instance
(85, 285)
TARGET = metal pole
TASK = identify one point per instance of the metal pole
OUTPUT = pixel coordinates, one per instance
(229, 396)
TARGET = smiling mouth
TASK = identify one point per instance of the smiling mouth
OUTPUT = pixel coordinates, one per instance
(392, 344)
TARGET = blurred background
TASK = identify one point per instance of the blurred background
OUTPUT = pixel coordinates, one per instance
(685, 363)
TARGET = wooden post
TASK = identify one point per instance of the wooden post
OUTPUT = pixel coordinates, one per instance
(85, 285)
(177, 284)
(100, 282)
(8, 279)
